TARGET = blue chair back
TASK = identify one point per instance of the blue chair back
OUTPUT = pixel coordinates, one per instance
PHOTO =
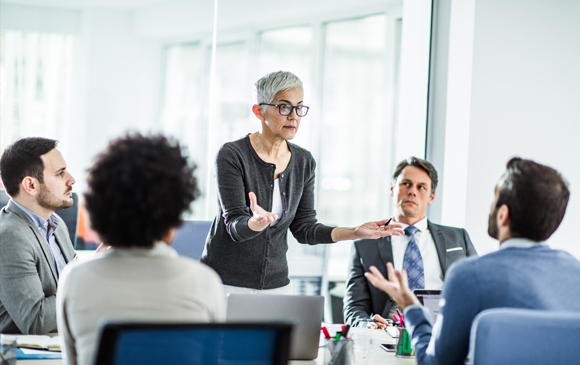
(3, 198)
(507, 336)
(198, 343)
(190, 238)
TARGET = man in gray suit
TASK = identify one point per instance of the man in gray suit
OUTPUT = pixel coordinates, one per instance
(34, 242)
(427, 249)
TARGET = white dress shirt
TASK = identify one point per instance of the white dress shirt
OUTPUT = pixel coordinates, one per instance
(431, 265)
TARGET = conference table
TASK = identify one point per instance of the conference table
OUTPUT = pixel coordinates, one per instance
(377, 355)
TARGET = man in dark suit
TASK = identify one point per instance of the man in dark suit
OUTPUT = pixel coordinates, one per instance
(34, 242)
(426, 250)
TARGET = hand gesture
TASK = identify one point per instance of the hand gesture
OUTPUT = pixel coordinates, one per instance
(260, 217)
(374, 230)
(397, 286)
(380, 323)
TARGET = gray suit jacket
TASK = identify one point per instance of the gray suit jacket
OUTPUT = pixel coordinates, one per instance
(28, 278)
(362, 299)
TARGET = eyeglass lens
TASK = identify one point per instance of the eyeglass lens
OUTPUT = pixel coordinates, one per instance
(286, 109)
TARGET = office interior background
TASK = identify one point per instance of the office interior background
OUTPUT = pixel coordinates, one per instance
(467, 84)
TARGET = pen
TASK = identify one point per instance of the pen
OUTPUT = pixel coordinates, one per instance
(389, 221)
(325, 331)
(367, 320)
(396, 318)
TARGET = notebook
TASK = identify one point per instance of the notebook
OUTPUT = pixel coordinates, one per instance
(430, 300)
(304, 312)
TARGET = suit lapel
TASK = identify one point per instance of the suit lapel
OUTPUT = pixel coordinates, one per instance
(62, 239)
(385, 248)
(440, 244)
(41, 241)
(386, 253)
(45, 249)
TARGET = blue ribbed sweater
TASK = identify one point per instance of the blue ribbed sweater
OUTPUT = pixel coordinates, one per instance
(534, 278)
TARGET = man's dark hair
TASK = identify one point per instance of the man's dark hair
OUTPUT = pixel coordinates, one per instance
(420, 163)
(22, 159)
(137, 190)
(537, 197)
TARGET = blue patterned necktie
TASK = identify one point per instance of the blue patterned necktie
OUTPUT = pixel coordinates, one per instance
(413, 262)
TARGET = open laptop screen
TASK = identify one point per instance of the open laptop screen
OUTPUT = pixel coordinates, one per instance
(430, 300)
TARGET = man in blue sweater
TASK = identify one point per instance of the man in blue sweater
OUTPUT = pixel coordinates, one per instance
(530, 202)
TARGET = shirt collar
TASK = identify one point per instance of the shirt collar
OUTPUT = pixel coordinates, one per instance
(421, 225)
(36, 219)
(520, 243)
(159, 249)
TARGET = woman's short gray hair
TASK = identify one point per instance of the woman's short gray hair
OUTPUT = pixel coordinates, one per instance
(268, 86)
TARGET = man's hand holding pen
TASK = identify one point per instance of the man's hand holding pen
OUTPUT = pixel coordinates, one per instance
(377, 322)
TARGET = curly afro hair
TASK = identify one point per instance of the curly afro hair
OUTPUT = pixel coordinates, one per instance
(138, 189)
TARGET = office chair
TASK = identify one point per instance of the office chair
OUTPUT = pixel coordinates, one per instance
(507, 336)
(194, 343)
(190, 238)
(69, 215)
(3, 198)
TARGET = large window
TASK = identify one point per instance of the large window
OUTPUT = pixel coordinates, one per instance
(349, 83)
(34, 85)
(356, 137)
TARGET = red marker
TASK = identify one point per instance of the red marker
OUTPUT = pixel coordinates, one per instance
(401, 316)
(325, 331)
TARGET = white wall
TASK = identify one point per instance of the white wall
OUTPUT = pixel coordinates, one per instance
(524, 91)
(122, 80)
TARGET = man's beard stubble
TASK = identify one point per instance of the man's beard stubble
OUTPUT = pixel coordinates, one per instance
(48, 200)
(492, 224)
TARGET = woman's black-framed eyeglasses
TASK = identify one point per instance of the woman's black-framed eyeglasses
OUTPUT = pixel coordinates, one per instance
(286, 109)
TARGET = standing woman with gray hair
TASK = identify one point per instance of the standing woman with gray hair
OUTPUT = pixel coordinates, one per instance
(265, 186)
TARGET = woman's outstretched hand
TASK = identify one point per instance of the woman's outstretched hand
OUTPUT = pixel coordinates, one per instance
(374, 230)
(369, 230)
(260, 217)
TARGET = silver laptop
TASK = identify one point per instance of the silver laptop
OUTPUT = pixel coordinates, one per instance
(305, 312)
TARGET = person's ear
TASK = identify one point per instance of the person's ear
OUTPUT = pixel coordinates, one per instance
(431, 199)
(258, 112)
(30, 185)
(169, 236)
(392, 191)
(503, 216)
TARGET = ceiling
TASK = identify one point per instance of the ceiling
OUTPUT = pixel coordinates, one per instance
(81, 4)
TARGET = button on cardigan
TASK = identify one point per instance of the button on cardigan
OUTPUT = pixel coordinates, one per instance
(257, 260)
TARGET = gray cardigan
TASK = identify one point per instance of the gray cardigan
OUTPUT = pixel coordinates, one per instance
(251, 259)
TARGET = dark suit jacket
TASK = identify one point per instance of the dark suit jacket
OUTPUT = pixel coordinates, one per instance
(362, 299)
(28, 278)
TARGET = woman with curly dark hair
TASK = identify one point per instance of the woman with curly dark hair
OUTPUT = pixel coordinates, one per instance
(138, 189)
